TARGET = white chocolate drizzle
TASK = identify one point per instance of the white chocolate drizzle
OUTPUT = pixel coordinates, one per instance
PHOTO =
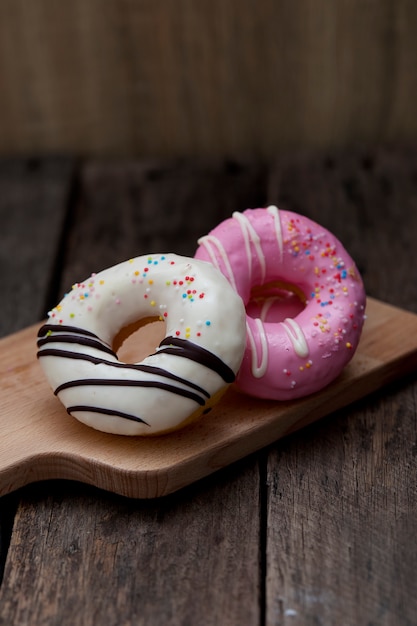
(296, 336)
(266, 306)
(258, 370)
(215, 250)
(251, 236)
(208, 241)
(274, 211)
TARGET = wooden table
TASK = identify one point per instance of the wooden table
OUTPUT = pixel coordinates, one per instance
(319, 527)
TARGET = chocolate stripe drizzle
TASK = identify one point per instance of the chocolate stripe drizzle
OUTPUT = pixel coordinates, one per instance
(95, 409)
(189, 350)
(116, 382)
(175, 346)
(82, 341)
(50, 334)
(149, 369)
(62, 328)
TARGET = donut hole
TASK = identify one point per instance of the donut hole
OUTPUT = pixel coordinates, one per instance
(138, 340)
(275, 302)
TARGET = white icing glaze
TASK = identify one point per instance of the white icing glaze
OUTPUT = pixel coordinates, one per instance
(251, 237)
(274, 211)
(266, 305)
(200, 355)
(258, 365)
(296, 336)
(294, 333)
(209, 242)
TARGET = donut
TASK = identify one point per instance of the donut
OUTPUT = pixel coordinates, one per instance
(187, 373)
(304, 298)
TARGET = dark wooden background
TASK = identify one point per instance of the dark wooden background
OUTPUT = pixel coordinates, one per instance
(209, 78)
(319, 528)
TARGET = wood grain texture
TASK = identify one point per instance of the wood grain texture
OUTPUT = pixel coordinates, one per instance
(34, 196)
(341, 498)
(326, 518)
(128, 208)
(344, 497)
(141, 577)
(204, 78)
(39, 441)
(95, 558)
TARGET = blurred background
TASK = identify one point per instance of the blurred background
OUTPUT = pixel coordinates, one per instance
(134, 126)
(207, 78)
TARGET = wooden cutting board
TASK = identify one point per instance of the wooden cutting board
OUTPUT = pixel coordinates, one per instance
(39, 440)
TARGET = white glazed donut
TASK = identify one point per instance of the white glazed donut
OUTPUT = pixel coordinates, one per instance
(195, 362)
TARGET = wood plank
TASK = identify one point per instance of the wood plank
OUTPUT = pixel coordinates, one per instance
(341, 517)
(39, 441)
(339, 473)
(34, 197)
(190, 558)
(341, 497)
(79, 556)
(128, 208)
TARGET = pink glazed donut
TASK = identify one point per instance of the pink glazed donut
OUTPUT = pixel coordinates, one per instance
(304, 297)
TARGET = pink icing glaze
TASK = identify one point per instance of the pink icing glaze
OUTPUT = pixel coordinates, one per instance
(304, 297)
